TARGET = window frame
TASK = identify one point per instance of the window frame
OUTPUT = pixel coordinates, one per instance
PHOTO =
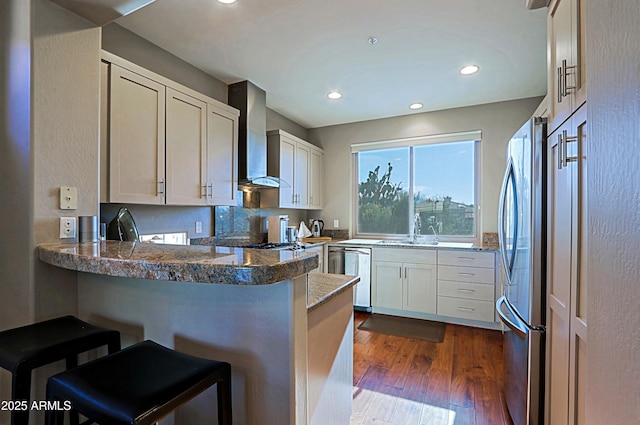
(470, 136)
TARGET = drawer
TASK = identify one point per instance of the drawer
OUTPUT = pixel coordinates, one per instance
(405, 255)
(466, 274)
(466, 258)
(471, 291)
(466, 309)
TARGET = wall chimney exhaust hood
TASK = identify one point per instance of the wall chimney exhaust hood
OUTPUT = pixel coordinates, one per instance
(101, 12)
(251, 100)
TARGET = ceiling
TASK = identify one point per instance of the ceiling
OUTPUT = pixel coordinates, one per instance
(299, 50)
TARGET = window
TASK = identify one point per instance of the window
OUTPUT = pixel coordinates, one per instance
(428, 182)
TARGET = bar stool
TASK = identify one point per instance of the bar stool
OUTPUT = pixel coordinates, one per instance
(138, 385)
(28, 347)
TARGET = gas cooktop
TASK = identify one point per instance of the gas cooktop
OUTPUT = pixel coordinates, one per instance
(275, 245)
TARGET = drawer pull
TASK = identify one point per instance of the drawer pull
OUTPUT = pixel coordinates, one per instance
(466, 274)
(467, 309)
(466, 290)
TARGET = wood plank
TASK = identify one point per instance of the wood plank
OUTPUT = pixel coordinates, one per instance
(406, 381)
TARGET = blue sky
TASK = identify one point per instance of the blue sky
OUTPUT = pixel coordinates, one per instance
(444, 169)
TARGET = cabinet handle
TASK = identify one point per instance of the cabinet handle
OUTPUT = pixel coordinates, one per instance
(405, 272)
(466, 274)
(466, 258)
(563, 140)
(559, 85)
(400, 269)
(161, 188)
(204, 190)
(567, 139)
(466, 290)
(467, 309)
(565, 72)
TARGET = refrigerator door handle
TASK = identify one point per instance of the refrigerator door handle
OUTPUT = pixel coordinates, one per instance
(517, 325)
(507, 259)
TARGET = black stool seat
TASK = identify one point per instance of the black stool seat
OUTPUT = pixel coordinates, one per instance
(139, 385)
(28, 347)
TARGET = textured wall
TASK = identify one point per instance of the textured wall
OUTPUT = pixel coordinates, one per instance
(498, 122)
(16, 212)
(613, 113)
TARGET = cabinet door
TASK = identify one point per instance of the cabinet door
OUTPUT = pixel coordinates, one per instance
(558, 282)
(387, 283)
(301, 179)
(105, 68)
(420, 288)
(577, 164)
(137, 139)
(560, 47)
(222, 161)
(186, 149)
(316, 178)
(287, 161)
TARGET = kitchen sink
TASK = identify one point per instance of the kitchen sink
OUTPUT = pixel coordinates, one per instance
(426, 243)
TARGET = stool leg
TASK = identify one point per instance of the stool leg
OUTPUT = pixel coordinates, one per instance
(72, 362)
(224, 399)
(21, 390)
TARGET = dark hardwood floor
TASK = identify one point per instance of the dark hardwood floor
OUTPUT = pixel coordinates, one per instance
(413, 382)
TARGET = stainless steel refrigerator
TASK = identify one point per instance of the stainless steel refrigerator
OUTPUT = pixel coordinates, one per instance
(522, 237)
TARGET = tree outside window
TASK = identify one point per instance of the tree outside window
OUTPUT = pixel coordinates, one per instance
(440, 178)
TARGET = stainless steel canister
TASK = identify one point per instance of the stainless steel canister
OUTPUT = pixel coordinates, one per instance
(88, 228)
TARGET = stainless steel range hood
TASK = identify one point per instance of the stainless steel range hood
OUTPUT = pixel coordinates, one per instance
(251, 100)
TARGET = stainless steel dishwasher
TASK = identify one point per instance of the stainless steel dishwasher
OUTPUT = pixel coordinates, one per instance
(356, 261)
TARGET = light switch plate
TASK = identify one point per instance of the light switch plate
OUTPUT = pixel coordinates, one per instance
(68, 198)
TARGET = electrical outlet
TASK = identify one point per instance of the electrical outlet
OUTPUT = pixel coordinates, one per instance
(336, 224)
(67, 227)
(198, 227)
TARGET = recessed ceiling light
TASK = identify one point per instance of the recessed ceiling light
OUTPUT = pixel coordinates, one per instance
(469, 69)
(334, 95)
(416, 105)
(227, 1)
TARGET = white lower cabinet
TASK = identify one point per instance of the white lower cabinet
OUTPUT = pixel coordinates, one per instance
(409, 284)
(437, 284)
(466, 285)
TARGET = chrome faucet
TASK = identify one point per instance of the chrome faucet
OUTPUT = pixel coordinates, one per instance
(417, 225)
(435, 235)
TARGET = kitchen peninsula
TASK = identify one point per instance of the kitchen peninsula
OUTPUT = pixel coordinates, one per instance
(287, 334)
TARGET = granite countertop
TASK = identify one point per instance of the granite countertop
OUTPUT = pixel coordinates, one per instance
(325, 286)
(185, 263)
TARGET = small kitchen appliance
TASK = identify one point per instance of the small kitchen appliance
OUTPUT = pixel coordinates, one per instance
(316, 228)
(277, 231)
(123, 227)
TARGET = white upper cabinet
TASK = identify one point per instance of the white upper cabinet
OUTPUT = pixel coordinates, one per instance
(137, 138)
(299, 165)
(567, 75)
(186, 135)
(222, 155)
(165, 144)
(316, 179)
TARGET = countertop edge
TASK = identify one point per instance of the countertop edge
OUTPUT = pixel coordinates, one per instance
(322, 287)
(86, 257)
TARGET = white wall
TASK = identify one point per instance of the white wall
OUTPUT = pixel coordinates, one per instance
(613, 143)
(498, 122)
